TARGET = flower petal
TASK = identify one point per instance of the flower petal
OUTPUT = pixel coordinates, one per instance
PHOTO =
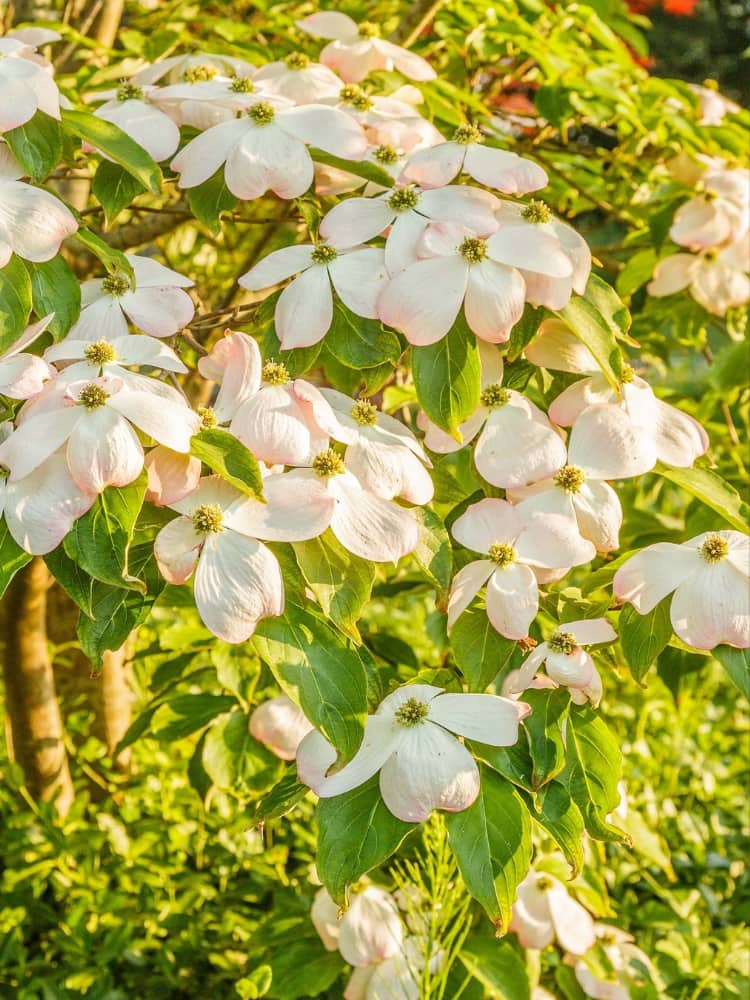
(103, 450)
(369, 526)
(277, 267)
(304, 310)
(280, 725)
(424, 300)
(518, 445)
(203, 156)
(487, 718)
(485, 523)
(371, 929)
(712, 606)
(505, 171)
(298, 507)
(167, 422)
(512, 600)
(36, 439)
(158, 311)
(466, 585)
(652, 573)
(359, 277)
(574, 926)
(176, 549)
(494, 300)
(355, 221)
(606, 445)
(381, 739)
(171, 475)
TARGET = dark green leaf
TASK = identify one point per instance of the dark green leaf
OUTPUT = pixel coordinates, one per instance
(369, 171)
(15, 302)
(433, 553)
(479, 651)
(281, 799)
(561, 818)
(360, 343)
(524, 331)
(12, 557)
(225, 455)
(544, 730)
(497, 966)
(113, 260)
(303, 969)
(76, 582)
(643, 637)
(447, 378)
(111, 140)
(114, 188)
(37, 145)
(736, 662)
(208, 200)
(340, 581)
(187, 713)
(234, 760)
(595, 330)
(55, 289)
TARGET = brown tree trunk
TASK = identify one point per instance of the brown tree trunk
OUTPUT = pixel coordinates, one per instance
(117, 699)
(34, 718)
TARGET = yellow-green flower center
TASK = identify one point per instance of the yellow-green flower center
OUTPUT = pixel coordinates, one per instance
(242, 85)
(297, 60)
(412, 712)
(208, 519)
(502, 554)
(327, 464)
(200, 74)
(473, 249)
(368, 29)
(467, 134)
(494, 396)
(570, 478)
(100, 353)
(536, 211)
(275, 373)
(628, 373)
(404, 199)
(129, 92)
(354, 95)
(364, 413)
(116, 284)
(543, 883)
(262, 113)
(92, 396)
(208, 417)
(563, 642)
(714, 549)
(386, 154)
(324, 253)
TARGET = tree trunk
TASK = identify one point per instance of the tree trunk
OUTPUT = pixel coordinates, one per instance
(109, 22)
(36, 728)
(117, 699)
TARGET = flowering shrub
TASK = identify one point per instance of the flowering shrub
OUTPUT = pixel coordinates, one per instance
(429, 384)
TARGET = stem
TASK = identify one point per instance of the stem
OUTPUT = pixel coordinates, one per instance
(413, 22)
(117, 698)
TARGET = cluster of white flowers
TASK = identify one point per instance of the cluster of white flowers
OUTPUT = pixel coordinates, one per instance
(715, 226)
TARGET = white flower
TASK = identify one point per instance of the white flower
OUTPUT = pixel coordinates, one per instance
(299, 80)
(709, 575)
(266, 148)
(304, 310)
(281, 725)
(496, 168)
(133, 109)
(26, 85)
(157, 304)
(567, 663)
(513, 541)
(716, 216)
(33, 223)
(202, 102)
(717, 279)
(544, 912)
(171, 475)
(90, 359)
(384, 455)
(194, 66)
(23, 375)
(395, 978)
(357, 50)
(408, 740)
(409, 211)
(368, 931)
(628, 966)
(713, 105)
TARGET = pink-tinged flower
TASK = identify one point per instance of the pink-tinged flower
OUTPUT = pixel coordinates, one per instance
(714, 107)
(409, 211)
(528, 232)
(496, 168)
(133, 109)
(567, 663)
(394, 978)
(33, 223)
(356, 50)
(266, 148)
(95, 420)
(235, 363)
(33, 37)
(202, 102)
(196, 66)
(709, 575)
(409, 741)
(280, 725)
(91, 359)
(304, 310)
(26, 86)
(383, 454)
(410, 134)
(627, 966)
(156, 304)
(171, 475)
(237, 579)
(369, 931)
(544, 912)
(716, 216)
(677, 438)
(603, 445)
(513, 541)
(717, 279)
(23, 375)
(298, 79)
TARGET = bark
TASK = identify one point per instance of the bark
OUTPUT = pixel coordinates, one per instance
(117, 699)
(34, 718)
(109, 22)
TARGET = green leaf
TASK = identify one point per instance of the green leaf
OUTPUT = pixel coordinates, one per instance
(297, 361)
(187, 713)
(360, 343)
(514, 763)
(208, 200)
(235, 761)
(114, 188)
(229, 458)
(303, 969)
(15, 302)
(524, 331)
(281, 799)
(319, 671)
(12, 557)
(113, 260)
(593, 770)
(597, 331)
(636, 272)
(643, 637)
(362, 168)
(492, 844)
(544, 730)
(479, 651)
(736, 662)
(497, 966)
(558, 814)
(109, 139)
(354, 381)
(356, 834)
(99, 541)
(447, 378)
(76, 582)
(55, 289)
(710, 489)
(37, 145)
(433, 552)
(340, 581)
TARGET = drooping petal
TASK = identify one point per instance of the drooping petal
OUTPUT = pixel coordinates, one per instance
(275, 428)
(281, 725)
(355, 221)
(298, 507)
(203, 156)
(359, 277)
(518, 445)
(424, 300)
(652, 573)
(326, 128)
(606, 445)
(575, 669)
(381, 739)
(158, 311)
(590, 631)
(170, 423)
(466, 585)
(368, 525)
(268, 158)
(712, 606)
(315, 756)
(24, 375)
(176, 548)
(40, 509)
(505, 171)
(304, 310)
(557, 348)
(236, 363)
(36, 439)
(429, 770)
(149, 273)
(409, 63)
(574, 926)
(494, 300)
(277, 267)
(103, 450)
(389, 471)
(487, 718)
(672, 275)
(678, 437)
(551, 541)
(485, 523)
(319, 413)
(171, 475)
(36, 222)
(139, 350)
(330, 24)
(529, 247)
(371, 929)
(103, 319)
(599, 515)
(324, 914)
(435, 166)
(237, 583)
(512, 600)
